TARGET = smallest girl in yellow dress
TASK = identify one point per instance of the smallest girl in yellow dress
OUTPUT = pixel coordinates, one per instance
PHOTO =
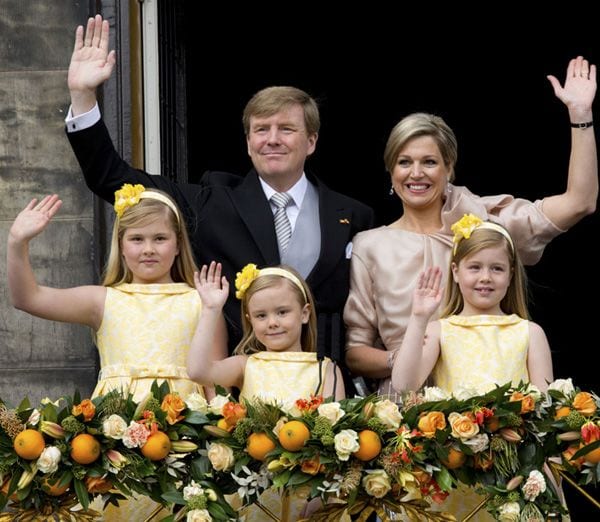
(276, 359)
(484, 337)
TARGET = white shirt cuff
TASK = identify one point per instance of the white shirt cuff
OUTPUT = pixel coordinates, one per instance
(82, 121)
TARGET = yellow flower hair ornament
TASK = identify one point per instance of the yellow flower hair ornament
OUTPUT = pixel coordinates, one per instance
(127, 196)
(464, 227)
(244, 279)
(249, 273)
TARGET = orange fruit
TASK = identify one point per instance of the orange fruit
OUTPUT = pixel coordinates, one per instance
(85, 449)
(157, 446)
(593, 457)
(259, 444)
(456, 459)
(562, 412)
(293, 435)
(370, 445)
(51, 487)
(29, 444)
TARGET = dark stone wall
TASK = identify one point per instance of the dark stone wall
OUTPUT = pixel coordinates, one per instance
(42, 358)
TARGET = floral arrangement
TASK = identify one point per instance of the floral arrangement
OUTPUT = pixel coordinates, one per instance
(358, 455)
(56, 458)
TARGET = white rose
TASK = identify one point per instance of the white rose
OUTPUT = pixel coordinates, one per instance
(388, 413)
(197, 402)
(220, 456)
(346, 442)
(34, 418)
(478, 443)
(462, 393)
(198, 515)
(216, 404)
(564, 386)
(509, 512)
(331, 411)
(192, 490)
(49, 459)
(433, 394)
(376, 483)
(114, 427)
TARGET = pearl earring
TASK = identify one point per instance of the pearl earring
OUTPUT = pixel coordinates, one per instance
(392, 190)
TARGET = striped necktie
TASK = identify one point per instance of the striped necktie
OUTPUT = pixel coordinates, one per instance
(283, 227)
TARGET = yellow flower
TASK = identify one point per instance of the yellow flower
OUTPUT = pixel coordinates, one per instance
(127, 196)
(464, 227)
(244, 279)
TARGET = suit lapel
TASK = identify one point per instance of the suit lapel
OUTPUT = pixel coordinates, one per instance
(255, 211)
(335, 233)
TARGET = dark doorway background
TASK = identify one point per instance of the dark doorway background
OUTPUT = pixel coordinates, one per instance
(513, 133)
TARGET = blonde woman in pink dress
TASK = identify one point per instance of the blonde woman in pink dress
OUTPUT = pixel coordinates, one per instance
(421, 155)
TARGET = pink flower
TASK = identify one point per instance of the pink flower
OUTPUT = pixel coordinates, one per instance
(535, 485)
(135, 435)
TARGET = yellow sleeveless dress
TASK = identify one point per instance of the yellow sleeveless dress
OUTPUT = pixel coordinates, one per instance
(281, 378)
(477, 352)
(145, 335)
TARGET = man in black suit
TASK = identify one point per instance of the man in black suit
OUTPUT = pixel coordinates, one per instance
(231, 218)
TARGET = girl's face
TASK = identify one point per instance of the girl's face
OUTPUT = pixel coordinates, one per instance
(277, 317)
(483, 279)
(149, 251)
(420, 175)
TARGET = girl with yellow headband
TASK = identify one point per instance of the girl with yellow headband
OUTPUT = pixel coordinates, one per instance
(143, 315)
(483, 338)
(276, 359)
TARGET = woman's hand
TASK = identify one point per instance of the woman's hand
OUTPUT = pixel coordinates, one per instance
(579, 90)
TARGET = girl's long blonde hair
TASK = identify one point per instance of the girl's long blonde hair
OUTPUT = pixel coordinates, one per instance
(308, 339)
(139, 215)
(515, 300)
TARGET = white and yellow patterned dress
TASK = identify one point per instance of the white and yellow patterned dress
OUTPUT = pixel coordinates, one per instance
(282, 378)
(145, 335)
(479, 352)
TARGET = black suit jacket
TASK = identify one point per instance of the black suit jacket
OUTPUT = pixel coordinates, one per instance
(230, 221)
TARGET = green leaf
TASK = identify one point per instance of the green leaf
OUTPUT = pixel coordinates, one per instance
(81, 492)
(195, 417)
(282, 479)
(299, 478)
(174, 497)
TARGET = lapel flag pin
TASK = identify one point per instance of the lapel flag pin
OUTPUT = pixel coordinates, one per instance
(344, 221)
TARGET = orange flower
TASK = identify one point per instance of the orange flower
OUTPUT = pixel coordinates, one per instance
(463, 426)
(311, 466)
(233, 412)
(85, 408)
(527, 401)
(173, 404)
(584, 403)
(311, 405)
(430, 422)
(97, 484)
(590, 432)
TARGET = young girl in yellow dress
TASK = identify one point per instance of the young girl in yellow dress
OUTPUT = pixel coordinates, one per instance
(276, 359)
(484, 337)
(145, 313)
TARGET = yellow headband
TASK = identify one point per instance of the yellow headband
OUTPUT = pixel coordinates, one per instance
(464, 227)
(249, 273)
(129, 195)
